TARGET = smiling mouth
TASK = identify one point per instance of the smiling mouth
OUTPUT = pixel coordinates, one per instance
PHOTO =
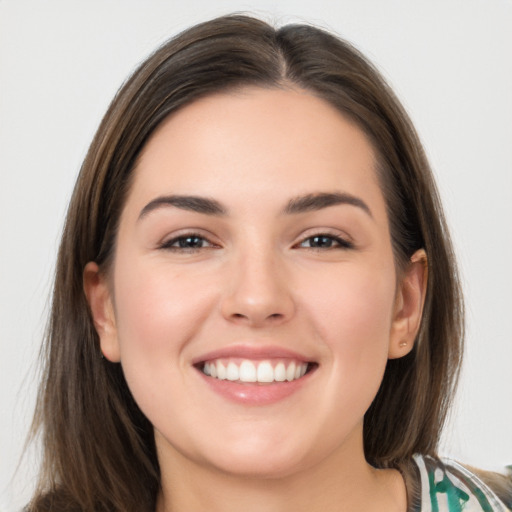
(260, 372)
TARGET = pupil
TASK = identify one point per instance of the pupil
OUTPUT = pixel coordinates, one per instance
(191, 241)
(321, 241)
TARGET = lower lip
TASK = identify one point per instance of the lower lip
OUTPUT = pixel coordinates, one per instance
(254, 393)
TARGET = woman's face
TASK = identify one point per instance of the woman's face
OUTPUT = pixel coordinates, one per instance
(253, 247)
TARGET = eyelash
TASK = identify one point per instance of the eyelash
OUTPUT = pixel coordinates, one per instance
(339, 243)
(169, 245)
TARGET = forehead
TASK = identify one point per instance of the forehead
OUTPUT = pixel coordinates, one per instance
(257, 144)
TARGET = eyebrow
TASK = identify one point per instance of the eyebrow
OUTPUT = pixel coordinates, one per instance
(313, 202)
(196, 204)
(296, 205)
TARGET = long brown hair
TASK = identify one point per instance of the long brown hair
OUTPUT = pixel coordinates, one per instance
(99, 451)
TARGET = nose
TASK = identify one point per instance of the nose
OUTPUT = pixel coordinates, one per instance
(258, 293)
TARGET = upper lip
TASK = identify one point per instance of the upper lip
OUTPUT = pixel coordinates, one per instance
(258, 352)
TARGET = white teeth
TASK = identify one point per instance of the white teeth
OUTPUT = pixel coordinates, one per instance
(290, 372)
(280, 372)
(232, 372)
(221, 370)
(265, 372)
(249, 371)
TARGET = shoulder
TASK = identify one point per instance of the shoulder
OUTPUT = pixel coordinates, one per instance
(447, 486)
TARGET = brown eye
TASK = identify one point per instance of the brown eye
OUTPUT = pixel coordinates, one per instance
(187, 243)
(325, 242)
(190, 242)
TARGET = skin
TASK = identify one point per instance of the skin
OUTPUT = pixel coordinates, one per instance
(256, 279)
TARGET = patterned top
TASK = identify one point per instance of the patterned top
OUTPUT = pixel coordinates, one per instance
(446, 486)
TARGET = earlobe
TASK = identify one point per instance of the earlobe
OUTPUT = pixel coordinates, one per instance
(409, 306)
(100, 303)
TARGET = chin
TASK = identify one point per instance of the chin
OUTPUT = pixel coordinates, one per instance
(266, 466)
(261, 458)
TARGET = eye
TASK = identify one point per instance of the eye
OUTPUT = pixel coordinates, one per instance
(325, 241)
(187, 243)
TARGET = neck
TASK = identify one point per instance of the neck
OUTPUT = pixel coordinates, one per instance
(332, 485)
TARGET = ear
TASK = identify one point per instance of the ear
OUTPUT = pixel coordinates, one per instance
(408, 308)
(98, 296)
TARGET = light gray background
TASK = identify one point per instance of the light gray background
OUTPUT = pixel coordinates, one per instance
(450, 62)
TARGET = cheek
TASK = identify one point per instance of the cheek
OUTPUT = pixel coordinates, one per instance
(158, 310)
(352, 314)
(158, 313)
(355, 306)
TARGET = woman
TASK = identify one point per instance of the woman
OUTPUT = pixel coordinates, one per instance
(256, 303)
